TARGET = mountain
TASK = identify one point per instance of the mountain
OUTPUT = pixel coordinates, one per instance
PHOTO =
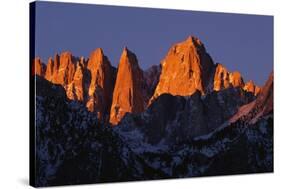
(186, 68)
(102, 79)
(128, 93)
(260, 107)
(67, 71)
(186, 117)
(38, 68)
(72, 147)
(88, 81)
(171, 119)
(251, 87)
(224, 79)
(75, 89)
(52, 68)
(161, 135)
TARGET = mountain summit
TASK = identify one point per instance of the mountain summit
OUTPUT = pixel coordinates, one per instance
(186, 68)
(102, 78)
(127, 95)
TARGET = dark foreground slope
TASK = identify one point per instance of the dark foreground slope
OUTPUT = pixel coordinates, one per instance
(72, 147)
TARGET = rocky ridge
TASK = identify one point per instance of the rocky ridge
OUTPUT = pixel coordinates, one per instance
(112, 93)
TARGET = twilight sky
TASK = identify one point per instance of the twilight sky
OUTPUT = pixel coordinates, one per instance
(240, 42)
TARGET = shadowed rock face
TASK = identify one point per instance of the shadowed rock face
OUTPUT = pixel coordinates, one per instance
(127, 95)
(171, 119)
(186, 68)
(101, 84)
(265, 98)
(151, 79)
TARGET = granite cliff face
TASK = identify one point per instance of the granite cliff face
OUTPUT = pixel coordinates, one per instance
(75, 89)
(224, 79)
(52, 68)
(186, 68)
(88, 81)
(251, 87)
(67, 71)
(37, 67)
(128, 93)
(102, 79)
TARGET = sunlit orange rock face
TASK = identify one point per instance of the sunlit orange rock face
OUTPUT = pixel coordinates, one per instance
(66, 69)
(251, 87)
(91, 82)
(186, 68)
(49, 69)
(221, 78)
(52, 68)
(127, 95)
(101, 84)
(236, 79)
(68, 72)
(75, 89)
(224, 79)
(38, 68)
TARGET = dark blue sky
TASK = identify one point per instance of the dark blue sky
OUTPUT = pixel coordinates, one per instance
(240, 42)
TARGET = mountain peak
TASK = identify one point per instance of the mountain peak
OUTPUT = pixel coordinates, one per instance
(66, 54)
(224, 79)
(126, 51)
(100, 90)
(99, 51)
(96, 53)
(128, 57)
(186, 68)
(127, 95)
(236, 79)
(251, 87)
(96, 59)
(38, 68)
(194, 41)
